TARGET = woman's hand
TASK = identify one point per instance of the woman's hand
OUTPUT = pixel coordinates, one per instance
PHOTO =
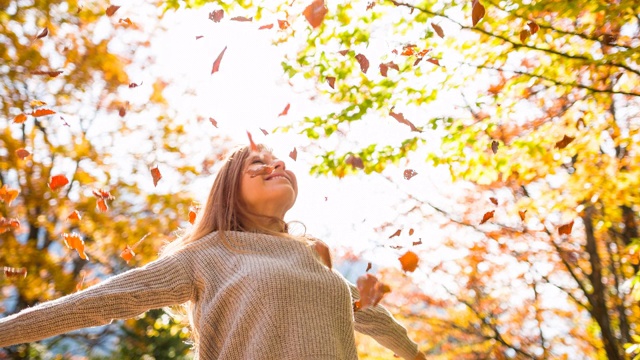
(420, 356)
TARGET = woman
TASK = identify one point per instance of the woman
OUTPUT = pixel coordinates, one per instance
(253, 291)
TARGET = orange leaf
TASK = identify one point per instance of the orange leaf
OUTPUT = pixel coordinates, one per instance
(493, 200)
(7, 194)
(74, 241)
(409, 261)
(566, 140)
(487, 216)
(293, 154)
(112, 10)
(408, 174)
(438, 30)
(216, 64)
(364, 62)
(252, 145)
(216, 15)
(371, 291)
(268, 26)
(192, 216)
(323, 251)
(397, 233)
(58, 181)
(533, 27)
(19, 119)
(285, 111)
(102, 196)
(36, 103)
(283, 24)
(400, 118)
(127, 254)
(434, 61)
(155, 173)
(477, 12)
(81, 283)
(411, 231)
(43, 33)
(524, 34)
(565, 229)
(42, 112)
(8, 224)
(332, 81)
(75, 215)
(522, 214)
(315, 13)
(10, 272)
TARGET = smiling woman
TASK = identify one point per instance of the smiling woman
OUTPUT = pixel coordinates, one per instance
(252, 290)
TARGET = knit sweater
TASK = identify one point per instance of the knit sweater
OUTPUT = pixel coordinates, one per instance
(264, 298)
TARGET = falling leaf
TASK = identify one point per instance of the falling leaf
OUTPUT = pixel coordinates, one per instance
(193, 213)
(127, 254)
(283, 24)
(434, 61)
(252, 145)
(408, 174)
(487, 216)
(354, 161)
(384, 68)
(396, 247)
(293, 154)
(409, 261)
(74, 241)
(112, 10)
(75, 215)
(10, 272)
(494, 146)
(522, 214)
(267, 26)
(103, 196)
(216, 15)
(198, 37)
(8, 224)
(7, 194)
(371, 291)
(262, 170)
(43, 33)
(50, 73)
(580, 121)
(155, 173)
(438, 30)
(122, 111)
(411, 231)
(370, 5)
(58, 181)
(19, 119)
(64, 122)
(42, 112)
(22, 153)
(566, 140)
(81, 283)
(265, 132)
(242, 18)
(364, 62)
(213, 122)
(368, 267)
(343, 52)
(400, 118)
(524, 34)
(477, 12)
(125, 22)
(36, 103)
(419, 242)
(533, 27)
(397, 233)
(408, 50)
(332, 81)
(315, 13)
(493, 200)
(134, 85)
(216, 64)
(323, 251)
(285, 111)
(565, 229)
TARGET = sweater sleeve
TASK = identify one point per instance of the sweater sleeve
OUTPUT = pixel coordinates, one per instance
(163, 282)
(377, 322)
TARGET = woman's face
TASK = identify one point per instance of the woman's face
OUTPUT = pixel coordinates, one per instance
(267, 187)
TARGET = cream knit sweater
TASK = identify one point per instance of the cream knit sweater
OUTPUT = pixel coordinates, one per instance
(267, 298)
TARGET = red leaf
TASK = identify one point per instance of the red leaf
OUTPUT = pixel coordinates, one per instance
(494, 146)
(216, 64)
(400, 118)
(397, 233)
(487, 216)
(252, 145)
(409, 261)
(533, 27)
(565, 229)
(155, 173)
(198, 37)
(285, 111)
(7, 194)
(134, 85)
(42, 112)
(268, 26)
(103, 197)
(371, 291)
(408, 174)
(283, 24)
(213, 122)
(75, 215)
(438, 30)
(127, 254)
(8, 224)
(10, 272)
(50, 73)
(216, 15)
(43, 33)
(354, 161)
(524, 34)
(332, 81)
(74, 241)
(20, 118)
(493, 200)
(364, 62)
(242, 18)
(566, 140)
(434, 61)
(112, 10)
(315, 13)
(293, 154)
(477, 12)
(58, 181)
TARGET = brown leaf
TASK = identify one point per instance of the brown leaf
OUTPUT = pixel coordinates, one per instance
(216, 15)
(43, 33)
(438, 30)
(384, 68)
(522, 214)
(75, 215)
(268, 26)
(332, 81)
(419, 242)
(58, 181)
(285, 111)
(397, 233)
(10, 272)
(533, 27)
(122, 111)
(198, 37)
(354, 161)
(493, 200)
(8, 224)
(494, 146)
(252, 145)
(434, 61)
(42, 112)
(293, 154)
(400, 118)
(265, 132)
(364, 62)
(283, 24)
(127, 254)
(20, 118)
(477, 12)
(343, 52)
(524, 34)
(323, 251)
(7, 194)
(409, 261)
(370, 5)
(565, 229)
(371, 291)
(112, 10)
(74, 241)
(411, 231)
(566, 140)
(134, 85)
(242, 18)
(487, 216)
(50, 73)
(368, 267)
(213, 122)
(155, 173)
(408, 174)
(216, 64)
(22, 153)
(315, 13)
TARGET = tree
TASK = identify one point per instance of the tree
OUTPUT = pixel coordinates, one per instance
(533, 103)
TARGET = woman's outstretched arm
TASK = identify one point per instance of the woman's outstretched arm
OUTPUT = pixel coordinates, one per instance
(160, 283)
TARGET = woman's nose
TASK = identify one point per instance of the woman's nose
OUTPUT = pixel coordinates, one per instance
(279, 164)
